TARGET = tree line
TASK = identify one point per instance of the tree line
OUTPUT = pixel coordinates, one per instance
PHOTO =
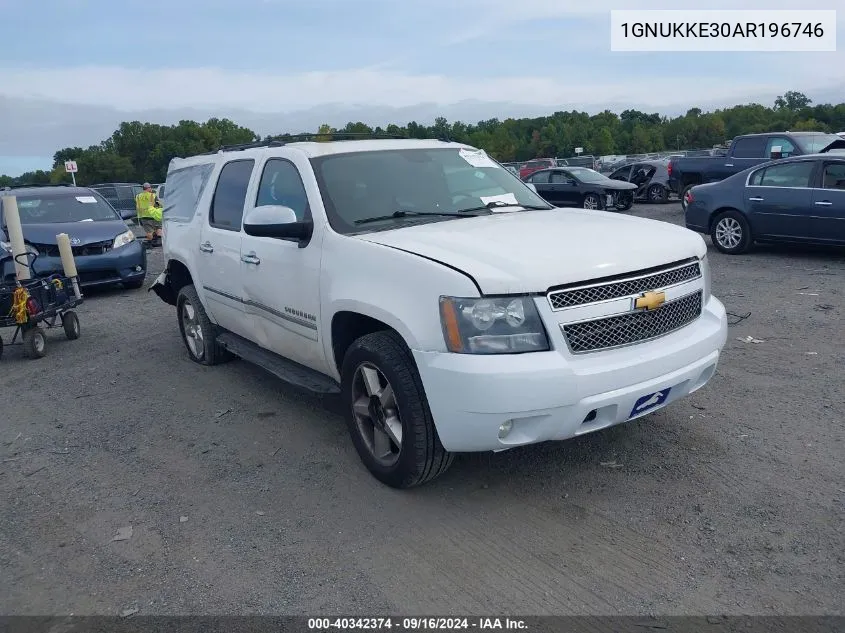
(139, 152)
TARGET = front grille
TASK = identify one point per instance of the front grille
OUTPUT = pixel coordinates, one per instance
(97, 248)
(561, 299)
(633, 327)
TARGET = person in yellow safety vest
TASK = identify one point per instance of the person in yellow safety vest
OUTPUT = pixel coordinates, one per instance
(149, 212)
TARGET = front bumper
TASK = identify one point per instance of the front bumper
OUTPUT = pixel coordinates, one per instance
(122, 265)
(555, 396)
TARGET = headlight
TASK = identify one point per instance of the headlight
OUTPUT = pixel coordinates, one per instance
(123, 239)
(505, 325)
(705, 276)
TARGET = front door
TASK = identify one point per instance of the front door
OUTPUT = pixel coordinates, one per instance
(281, 277)
(567, 188)
(780, 200)
(219, 255)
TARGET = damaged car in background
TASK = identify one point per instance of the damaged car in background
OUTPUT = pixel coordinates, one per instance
(582, 187)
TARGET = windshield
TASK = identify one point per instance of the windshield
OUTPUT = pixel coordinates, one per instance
(816, 143)
(586, 175)
(361, 185)
(64, 208)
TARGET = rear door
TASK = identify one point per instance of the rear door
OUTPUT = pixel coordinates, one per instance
(219, 256)
(779, 199)
(829, 203)
(746, 152)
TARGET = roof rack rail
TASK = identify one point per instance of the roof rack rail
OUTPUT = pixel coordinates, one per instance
(33, 185)
(283, 139)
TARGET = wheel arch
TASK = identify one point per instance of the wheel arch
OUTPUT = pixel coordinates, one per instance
(722, 210)
(350, 324)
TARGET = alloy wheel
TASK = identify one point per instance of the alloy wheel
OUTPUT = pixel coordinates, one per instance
(194, 336)
(376, 414)
(728, 233)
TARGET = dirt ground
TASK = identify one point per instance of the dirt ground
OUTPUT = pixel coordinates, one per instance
(245, 496)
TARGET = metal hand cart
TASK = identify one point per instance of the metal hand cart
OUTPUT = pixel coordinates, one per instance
(35, 305)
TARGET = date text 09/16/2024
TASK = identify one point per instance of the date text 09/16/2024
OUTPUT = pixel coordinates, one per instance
(415, 623)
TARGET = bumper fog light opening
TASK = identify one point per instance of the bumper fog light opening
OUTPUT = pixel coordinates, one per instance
(505, 429)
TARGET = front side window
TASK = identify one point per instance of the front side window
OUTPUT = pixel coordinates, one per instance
(834, 176)
(52, 209)
(559, 178)
(282, 185)
(227, 207)
(788, 175)
(362, 185)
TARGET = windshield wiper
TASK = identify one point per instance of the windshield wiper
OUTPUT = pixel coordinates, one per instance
(404, 214)
(498, 204)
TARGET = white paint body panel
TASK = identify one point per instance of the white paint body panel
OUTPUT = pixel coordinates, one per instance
(397, 277)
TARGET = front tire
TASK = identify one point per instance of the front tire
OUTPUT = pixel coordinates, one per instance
(198, 332)
(657, 194)
(624, 201)
(731, 233)
(34, 343)
(592, 201)
(387, 412)
(70, 324)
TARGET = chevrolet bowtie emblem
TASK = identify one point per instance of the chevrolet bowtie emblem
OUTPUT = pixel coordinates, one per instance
(650, 300)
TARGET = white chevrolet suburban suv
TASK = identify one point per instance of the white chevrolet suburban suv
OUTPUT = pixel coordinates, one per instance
(451, 308)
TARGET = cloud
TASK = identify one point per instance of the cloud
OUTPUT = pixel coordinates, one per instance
(265, 92)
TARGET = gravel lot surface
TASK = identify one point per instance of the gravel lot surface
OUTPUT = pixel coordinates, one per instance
(246, 496)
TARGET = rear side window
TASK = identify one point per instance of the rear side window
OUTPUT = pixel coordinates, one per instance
(751, 147)
(541, 178)
(184, 189)
(227, 207)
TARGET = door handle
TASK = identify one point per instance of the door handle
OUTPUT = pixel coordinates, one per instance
(756, 199)
(250, 258)
(729, 164)
(206, 247)
(824, 203)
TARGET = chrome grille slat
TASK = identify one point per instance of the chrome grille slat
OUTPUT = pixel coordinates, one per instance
(561, 299)
(632, 327)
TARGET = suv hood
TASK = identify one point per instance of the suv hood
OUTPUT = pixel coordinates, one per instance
(532, 251)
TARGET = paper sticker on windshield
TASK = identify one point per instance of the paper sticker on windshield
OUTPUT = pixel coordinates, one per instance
(505, 198)
(86, 199)
(477, 158)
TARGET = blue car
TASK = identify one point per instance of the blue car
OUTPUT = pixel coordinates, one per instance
(104, 247)
(800, 199)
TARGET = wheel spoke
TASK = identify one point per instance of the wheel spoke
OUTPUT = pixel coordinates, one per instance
(362, 407)
(381, 443)
(189, 311)
(387, 397)
(393, 428)
(372, 384)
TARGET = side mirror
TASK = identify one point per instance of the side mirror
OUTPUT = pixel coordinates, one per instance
(531, 186)
(276, 221)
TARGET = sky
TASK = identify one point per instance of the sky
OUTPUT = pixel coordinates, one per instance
(70, 72)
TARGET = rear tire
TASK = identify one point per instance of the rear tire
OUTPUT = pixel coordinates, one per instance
(684, 195)
(382, 393)
(199, 334)
(731, 233)
(34, 343)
